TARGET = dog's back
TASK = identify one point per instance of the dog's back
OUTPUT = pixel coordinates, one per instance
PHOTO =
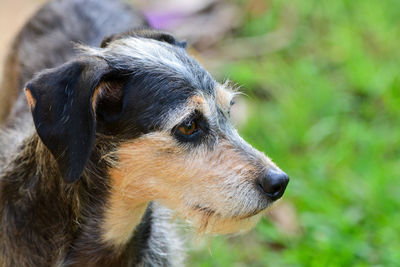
(47, 40)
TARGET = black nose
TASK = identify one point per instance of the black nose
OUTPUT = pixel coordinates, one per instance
(273, 183)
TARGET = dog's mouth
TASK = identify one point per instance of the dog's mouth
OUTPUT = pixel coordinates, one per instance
(211, 212)
(212, 221)
(250, 214)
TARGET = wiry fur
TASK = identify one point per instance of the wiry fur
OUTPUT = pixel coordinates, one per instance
(96, 177)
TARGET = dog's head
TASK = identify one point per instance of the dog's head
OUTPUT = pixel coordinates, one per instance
(170, 119)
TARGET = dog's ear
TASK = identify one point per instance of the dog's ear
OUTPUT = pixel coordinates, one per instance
(62, 101)
(146, 33)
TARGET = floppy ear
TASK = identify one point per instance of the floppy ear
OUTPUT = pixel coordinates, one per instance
(62, 101)
(146, 33)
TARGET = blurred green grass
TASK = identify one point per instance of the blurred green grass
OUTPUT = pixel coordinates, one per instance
(326, 109)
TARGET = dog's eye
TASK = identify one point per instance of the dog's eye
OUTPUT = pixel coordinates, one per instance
(192, 130)
(188, 128)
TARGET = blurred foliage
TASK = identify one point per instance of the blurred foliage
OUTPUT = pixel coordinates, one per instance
(326, 109)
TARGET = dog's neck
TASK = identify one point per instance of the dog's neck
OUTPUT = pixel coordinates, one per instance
(86, 222)
(121, 218)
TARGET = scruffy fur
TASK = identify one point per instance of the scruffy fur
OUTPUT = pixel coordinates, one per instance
(93, 161)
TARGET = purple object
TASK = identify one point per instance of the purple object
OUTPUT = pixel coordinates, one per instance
(166, 20)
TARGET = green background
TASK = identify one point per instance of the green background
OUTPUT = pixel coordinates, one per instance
(325, 107)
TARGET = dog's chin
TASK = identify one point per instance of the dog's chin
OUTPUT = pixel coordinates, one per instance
(213, 223)
(206, 220)
(230, 225)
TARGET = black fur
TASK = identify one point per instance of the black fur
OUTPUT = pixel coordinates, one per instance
(63, 114)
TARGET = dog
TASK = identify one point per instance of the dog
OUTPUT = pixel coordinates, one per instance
(109, 143)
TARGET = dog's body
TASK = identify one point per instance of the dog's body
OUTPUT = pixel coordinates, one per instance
(41, 236)
(116, 131)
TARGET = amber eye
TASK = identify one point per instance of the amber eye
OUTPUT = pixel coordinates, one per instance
(188, 128)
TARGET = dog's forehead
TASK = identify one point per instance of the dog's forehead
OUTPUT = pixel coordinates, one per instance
(172, 84)
(167, 81)
(156, 59)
